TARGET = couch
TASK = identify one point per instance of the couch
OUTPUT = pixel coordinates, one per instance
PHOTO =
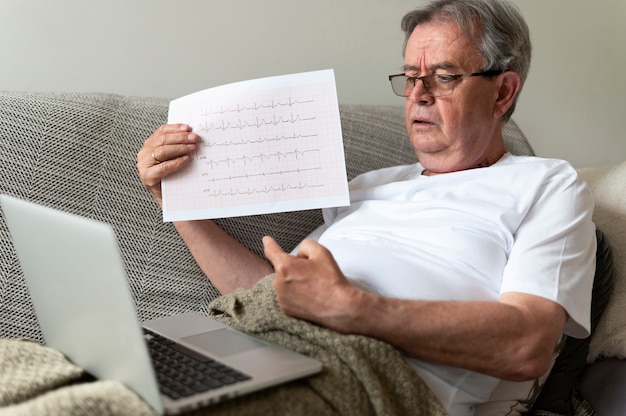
(77, 152)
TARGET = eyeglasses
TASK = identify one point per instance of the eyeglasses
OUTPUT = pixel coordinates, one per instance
(436, 85)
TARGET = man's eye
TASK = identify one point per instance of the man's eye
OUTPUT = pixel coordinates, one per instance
(446, 79)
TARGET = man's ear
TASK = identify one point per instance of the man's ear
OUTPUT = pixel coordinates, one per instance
(509, 84)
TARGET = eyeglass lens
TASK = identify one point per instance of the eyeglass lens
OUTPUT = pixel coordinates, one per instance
(403, 85)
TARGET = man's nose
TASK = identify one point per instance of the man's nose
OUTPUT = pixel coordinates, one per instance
(419, 94)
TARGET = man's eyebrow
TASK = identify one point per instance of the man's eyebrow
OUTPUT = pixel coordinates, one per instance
(432, 68)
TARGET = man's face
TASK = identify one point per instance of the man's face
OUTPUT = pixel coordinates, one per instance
(458, 131)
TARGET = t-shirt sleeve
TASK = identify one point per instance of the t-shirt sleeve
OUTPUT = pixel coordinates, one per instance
(553, 254)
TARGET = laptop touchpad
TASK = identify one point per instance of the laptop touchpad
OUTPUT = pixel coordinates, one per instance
(224, 342)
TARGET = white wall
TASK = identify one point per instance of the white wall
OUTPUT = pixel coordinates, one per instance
(573, 105)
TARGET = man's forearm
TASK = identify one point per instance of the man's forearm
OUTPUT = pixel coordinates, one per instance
(225, 261)
(513, 339)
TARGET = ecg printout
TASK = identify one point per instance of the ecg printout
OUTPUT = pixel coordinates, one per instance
(267, 145)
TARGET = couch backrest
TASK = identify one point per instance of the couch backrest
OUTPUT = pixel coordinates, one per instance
(77, 153)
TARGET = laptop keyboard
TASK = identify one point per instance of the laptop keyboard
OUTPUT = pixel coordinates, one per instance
(181, 372)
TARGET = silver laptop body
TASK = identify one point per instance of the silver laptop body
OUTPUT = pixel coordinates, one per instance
(79, 289)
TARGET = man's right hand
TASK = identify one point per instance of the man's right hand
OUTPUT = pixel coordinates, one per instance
(163, 153)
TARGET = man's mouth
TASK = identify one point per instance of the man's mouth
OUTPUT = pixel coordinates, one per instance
(422, 121)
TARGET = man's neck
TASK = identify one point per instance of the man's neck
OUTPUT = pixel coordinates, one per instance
(483, 164)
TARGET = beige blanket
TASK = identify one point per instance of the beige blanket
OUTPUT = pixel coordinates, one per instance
(361, 376)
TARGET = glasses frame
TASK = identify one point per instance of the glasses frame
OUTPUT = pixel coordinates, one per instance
(453, 80)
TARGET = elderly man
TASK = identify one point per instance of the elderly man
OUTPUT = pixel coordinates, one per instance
(475, 261)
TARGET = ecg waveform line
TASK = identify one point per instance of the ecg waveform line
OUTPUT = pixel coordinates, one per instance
(261, 174)
(258, 123)
(259, 140)
(255, 107)
(265, 190)
(261, 157)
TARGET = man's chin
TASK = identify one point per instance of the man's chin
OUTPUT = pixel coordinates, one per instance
(427, 145)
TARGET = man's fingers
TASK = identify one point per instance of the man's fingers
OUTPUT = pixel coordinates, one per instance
(272, 250)
(175, 128)
(170, 134)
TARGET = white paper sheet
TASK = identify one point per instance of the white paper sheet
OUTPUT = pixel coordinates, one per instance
(268, 145)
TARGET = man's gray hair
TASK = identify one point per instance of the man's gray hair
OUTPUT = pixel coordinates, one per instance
(498, 29)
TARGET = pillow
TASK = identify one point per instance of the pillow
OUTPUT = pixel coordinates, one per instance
(608, 185)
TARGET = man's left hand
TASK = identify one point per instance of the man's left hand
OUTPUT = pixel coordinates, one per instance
(310, 285)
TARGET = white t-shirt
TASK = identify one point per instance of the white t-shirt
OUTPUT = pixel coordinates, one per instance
(520, 225)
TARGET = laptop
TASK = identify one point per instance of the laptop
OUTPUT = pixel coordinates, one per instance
(80, 292)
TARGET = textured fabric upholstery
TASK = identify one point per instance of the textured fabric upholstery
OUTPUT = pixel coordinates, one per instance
(77, 153)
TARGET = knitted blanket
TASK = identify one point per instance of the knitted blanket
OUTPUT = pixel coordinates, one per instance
(361, 375)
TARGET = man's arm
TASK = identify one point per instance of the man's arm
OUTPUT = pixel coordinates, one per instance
(513, 339)
(225, 261)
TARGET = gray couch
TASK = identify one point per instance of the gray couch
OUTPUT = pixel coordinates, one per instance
(77, 152)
